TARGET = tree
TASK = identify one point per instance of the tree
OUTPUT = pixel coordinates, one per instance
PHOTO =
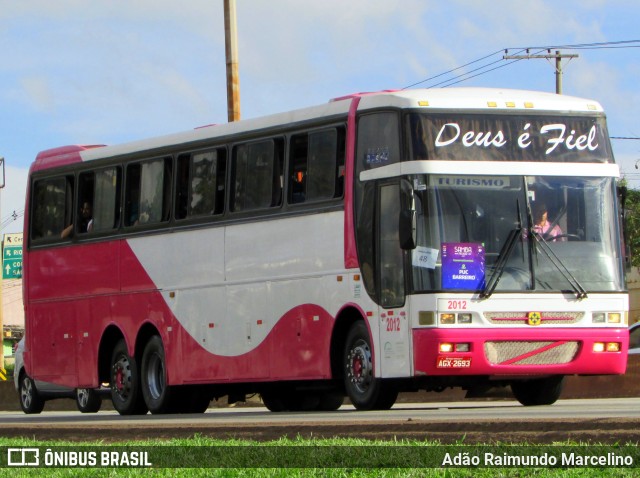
(632, 211)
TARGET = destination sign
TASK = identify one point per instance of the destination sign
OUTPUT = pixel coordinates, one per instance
(510, 138)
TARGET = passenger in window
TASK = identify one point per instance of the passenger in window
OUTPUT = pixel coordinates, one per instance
(298, 187)
(86, 221)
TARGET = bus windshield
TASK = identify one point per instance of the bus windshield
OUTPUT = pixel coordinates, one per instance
(546, 234)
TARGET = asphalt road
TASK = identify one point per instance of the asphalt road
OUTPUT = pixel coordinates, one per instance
(615, 420)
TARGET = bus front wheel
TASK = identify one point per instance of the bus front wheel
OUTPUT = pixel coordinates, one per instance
(125, 382)
(540, 391)
(364, 390)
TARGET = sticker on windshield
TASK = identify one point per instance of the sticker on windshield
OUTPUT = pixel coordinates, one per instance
(425, 257)
(462, 265)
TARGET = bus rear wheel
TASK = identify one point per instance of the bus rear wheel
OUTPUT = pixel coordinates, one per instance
(364, 390)
(125, 382)
(541, 391)
(159, 397)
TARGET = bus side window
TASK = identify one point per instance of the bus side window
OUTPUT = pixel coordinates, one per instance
(98, 201)
(322, 165)
(147, 194)
(316, 166)
(257, 175)
(84, 219)
(298, 147)
(106, 200)
(52, 208)
(201, 184)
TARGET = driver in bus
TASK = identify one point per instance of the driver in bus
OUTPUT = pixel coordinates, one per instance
(541, 223)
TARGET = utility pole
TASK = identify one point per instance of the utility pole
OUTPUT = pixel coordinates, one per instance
(558, 62)
(231, 51)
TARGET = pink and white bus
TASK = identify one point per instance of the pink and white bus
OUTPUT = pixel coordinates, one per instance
(406, 240)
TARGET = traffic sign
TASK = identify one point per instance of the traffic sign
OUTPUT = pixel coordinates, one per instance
(12, 256)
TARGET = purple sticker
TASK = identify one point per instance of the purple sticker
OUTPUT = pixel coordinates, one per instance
(462, 265)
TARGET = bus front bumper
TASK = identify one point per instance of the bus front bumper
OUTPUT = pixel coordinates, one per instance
(514, 352)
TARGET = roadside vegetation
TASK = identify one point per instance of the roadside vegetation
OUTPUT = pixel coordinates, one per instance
(632, 207)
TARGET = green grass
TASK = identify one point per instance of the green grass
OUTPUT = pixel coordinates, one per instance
(306, 458)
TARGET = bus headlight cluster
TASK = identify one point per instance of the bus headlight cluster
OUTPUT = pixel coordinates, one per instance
(447, 347)
(449, 318)
(606, 318)
(606, 347)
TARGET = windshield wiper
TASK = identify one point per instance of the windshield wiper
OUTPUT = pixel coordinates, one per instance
(503, 258)
(580, 292)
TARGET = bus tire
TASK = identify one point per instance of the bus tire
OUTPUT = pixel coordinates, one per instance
(330, 401)
(300, 401)
(273, 401)
(190, 399)
(364, 390)
(88, 400)
(159, 397)
(30, 400)
(126, 394)
(541, 391)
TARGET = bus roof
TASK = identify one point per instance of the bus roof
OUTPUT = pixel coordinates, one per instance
(479, 99)
(489, 99)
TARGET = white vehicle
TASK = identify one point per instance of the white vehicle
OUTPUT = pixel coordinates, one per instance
(34, 393)
(634, 339)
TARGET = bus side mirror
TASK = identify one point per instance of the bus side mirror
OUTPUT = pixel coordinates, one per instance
(408, 217)
(408, 229)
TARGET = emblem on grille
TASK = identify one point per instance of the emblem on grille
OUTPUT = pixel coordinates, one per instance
(534, 318)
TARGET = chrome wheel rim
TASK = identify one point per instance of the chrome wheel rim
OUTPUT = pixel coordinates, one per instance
(359, 366)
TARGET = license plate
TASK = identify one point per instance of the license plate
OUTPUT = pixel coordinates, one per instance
(444, 362)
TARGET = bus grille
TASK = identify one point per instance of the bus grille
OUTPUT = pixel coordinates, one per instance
(520, 318)
(530, 353)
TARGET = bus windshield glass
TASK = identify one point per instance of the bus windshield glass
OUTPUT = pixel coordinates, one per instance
(533, 233)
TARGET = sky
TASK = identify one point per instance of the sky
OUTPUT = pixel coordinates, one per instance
(113, 71)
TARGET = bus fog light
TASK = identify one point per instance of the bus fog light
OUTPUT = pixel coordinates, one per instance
(598, 347)
(614, 318)
(464, 347)
(464, 318)
(598, 318)
(613, 346)
(446, 347)
(426, 318)
(447, 318)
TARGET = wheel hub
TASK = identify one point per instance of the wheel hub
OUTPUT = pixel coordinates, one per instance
(121, 378)
(359, 366)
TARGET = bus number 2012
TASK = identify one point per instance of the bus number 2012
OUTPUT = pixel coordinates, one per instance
(456, 305)
(393, 324)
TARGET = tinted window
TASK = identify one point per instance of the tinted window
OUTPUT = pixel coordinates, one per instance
(147, 195)
(201, 179)
(257, 175)
(52, 212)
(98, 201)
(316, 168)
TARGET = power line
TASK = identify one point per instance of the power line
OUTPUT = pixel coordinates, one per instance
(14, 216)
(454, 69)
(486, 68)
